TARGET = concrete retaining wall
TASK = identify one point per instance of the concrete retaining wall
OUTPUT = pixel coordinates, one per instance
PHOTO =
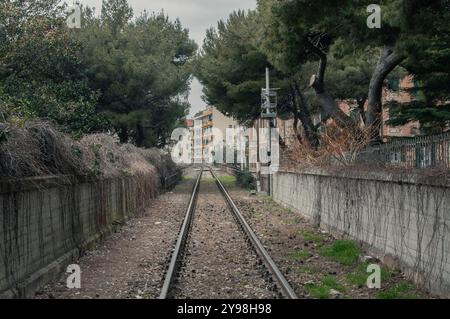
(404, 220)
(46, 223)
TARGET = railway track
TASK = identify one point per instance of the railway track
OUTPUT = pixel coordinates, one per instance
(221, 235)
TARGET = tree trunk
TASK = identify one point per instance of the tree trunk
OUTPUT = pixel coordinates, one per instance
(295, 126)
(139, 135)
(301, 105)
(387, 62)
(332, 110)
(296, 115)
(361, 104)
(327, 102)
(123, 134)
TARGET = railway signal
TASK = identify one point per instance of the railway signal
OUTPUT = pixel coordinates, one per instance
(269, 103)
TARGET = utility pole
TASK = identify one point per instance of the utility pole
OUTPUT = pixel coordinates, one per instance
(269, 111)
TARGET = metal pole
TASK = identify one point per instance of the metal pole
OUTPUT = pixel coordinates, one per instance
(268, 106)
(270, 127)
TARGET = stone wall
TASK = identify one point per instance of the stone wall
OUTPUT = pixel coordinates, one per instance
(46, 223)
(404, 220)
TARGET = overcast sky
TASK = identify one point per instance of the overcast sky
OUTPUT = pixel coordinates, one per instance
(196, 15)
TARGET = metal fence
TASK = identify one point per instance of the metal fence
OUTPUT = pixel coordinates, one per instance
(169, 182)
(418, 152)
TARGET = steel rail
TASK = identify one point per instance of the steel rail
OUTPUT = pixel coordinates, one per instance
(181, 242)
(279, 278)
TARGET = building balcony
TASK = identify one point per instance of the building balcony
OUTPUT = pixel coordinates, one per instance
(207, 124)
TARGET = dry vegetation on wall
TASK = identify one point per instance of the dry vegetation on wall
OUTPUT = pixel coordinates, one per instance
(344, 150)
(39, 149)
(339, 146)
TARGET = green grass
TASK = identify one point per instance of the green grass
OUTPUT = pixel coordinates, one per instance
(331, 282)
(318, 291)
(266, 198)
(187, 178)
(322, 290)
(345, 252)
(310, 270)
(402, 290)
(227, 179)
(312, 237)
(208, 180)
(300, 255)
(359, 276)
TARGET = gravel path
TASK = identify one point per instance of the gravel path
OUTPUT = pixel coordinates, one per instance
(131, 263)
(219, 263)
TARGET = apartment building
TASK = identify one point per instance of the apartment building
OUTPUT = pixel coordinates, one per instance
(401, 95)
(190, 147)
(210, 125)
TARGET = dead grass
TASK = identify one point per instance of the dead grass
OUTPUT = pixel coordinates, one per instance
(340, 151)
(38, 149)
(339, 146)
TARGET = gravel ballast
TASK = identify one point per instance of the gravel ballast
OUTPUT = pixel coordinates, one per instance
(219, 262)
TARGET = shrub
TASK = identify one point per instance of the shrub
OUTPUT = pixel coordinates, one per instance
(246, 179)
